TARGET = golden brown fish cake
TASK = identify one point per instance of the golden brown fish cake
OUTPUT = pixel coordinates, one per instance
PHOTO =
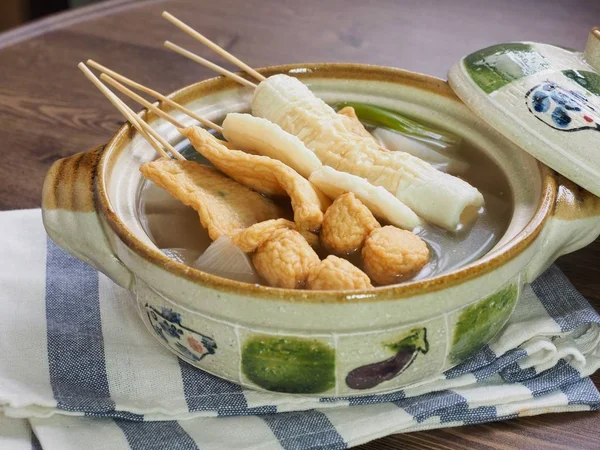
(346, 225)
(265, 175)
(254, 236)
(336, 273)
(311, 238)
(223, 205)
(391, 255)
(285, 259)
(353, 123)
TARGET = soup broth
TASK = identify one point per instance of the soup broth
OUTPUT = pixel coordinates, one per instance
(172, 225)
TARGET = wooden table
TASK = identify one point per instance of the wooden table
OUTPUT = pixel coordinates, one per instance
(49, 110)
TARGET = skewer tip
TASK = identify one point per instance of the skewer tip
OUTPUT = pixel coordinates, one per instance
(92, 63)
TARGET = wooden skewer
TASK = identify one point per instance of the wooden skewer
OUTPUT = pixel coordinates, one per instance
(154, 94)
(206, 63)
(141, 100)
(122, 108)
(145, 130)
(210, 44)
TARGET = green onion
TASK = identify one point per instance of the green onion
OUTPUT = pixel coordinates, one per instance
(380, 117)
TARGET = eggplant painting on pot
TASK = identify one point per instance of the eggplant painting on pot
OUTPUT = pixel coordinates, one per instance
(342, 229)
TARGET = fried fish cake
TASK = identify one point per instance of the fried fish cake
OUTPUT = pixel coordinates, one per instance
(249, 239)
(265, 175)
(224, 206)
(391, 255)
(346, 225)
(336, 273)
(285, 259)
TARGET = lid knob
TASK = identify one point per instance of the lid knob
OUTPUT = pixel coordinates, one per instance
(592, 49)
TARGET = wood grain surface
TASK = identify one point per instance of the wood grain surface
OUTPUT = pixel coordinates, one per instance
(49, 110)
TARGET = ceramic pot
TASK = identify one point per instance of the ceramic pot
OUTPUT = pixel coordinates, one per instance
(307, 342)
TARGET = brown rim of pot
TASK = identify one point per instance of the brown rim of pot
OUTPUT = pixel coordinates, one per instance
(322, 70)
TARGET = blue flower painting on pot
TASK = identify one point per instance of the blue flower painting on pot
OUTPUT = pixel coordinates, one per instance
(189, 344)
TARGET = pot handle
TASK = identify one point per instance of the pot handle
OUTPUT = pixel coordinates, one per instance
(574, 223)
(71, 218)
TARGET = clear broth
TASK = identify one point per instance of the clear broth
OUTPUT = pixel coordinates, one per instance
(170, 224)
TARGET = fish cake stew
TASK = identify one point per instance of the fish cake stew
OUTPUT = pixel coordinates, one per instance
(300, 194)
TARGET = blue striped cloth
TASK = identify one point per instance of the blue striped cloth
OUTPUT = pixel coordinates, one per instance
(79, 370)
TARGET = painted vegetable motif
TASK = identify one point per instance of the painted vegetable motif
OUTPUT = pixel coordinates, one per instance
(405, 352)
(289, 364)
(496, 66)
(585, 79)
(480, 322)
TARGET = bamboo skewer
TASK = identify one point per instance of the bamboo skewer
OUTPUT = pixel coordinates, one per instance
(206, 63)
(210, 44)
(144, 129)
(141, 100)
(154, 94)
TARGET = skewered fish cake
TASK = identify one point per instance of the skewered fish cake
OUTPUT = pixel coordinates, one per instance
(437, 197)
(257, 135)
(379, 201)
(223, 205)
(265, 175)
(353, 123)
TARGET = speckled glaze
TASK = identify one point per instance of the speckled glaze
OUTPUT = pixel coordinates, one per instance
(544, 98)
(307, 342)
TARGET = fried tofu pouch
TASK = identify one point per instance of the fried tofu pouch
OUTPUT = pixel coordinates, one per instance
(265, 175)
(224, 206)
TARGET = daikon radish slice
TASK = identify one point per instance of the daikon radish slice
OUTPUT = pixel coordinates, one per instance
(223, 258)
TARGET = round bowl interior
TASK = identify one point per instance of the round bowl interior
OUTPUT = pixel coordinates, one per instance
(421, 97)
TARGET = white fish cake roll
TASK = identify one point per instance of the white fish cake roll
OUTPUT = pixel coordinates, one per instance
(435, 196)
(255, 134)
(379, 201)
(289, 103)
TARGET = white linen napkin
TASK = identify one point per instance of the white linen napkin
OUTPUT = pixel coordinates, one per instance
(79, 370)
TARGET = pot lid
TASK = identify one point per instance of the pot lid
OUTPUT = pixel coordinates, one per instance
(544, 98)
